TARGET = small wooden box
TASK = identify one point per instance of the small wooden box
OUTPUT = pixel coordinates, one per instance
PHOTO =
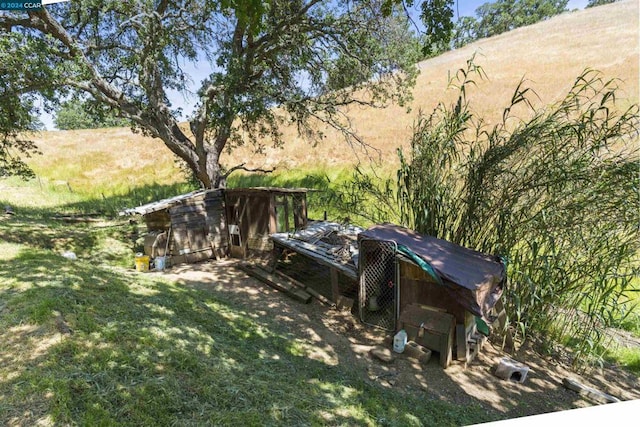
(431, 328)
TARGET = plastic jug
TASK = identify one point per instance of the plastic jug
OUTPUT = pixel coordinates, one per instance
(159, 263)
(399, 341)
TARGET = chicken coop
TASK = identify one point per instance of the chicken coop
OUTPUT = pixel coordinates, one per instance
(435, 290)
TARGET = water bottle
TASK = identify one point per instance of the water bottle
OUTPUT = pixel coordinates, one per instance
(399, 341)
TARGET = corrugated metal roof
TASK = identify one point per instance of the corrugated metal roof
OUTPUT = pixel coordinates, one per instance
(172, 201)
(462, 266)
(164, 203)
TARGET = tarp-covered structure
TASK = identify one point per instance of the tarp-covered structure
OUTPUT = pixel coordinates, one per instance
(475, 280)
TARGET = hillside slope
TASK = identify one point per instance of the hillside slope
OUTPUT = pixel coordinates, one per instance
(550, 55)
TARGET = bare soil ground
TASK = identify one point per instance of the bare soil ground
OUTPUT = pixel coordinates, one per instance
(338, 337)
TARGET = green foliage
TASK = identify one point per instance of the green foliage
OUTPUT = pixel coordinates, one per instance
(493, 18)
(594, 3)
(80, 114)
(311, 59)
(465, 31)
(556, 194)
(628, 357)
(437, 18)
(505, 15)
(145, 351)
(17, 110)
(15, 119)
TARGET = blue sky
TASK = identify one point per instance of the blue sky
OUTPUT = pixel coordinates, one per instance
(198, 73)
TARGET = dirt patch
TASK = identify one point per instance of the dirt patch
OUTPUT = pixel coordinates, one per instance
(337, 337)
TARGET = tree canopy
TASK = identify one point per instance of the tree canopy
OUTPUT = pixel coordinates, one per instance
(80, 114)
(437, 18)
(17, 107)
(440, 33)
(496, 17)
(308, 58)
(594, 3)
(505, 15)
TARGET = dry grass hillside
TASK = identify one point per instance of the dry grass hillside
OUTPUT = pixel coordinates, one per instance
(550, 55)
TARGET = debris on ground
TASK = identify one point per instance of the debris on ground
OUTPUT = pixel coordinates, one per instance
(70, 255)
(418, 353)
(61, 324)
(509, 369)
(591, 393)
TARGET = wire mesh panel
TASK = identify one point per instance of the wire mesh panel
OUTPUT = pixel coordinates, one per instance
(378, 283)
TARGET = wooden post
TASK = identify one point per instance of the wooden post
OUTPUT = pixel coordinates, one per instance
(335, 289)
(461, 342)
(303, 207)
(273, 221)
(507, 343)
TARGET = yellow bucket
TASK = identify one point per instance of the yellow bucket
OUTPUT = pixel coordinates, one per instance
(142, 262)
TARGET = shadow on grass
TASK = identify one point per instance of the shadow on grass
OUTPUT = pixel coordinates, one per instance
(145, 352)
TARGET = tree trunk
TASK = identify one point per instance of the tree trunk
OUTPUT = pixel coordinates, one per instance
(215, 176)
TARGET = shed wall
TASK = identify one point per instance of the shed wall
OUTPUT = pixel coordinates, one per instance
(198, 228)
(259, 213)
(416, 286)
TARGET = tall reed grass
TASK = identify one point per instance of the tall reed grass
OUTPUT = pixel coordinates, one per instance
(554, 191)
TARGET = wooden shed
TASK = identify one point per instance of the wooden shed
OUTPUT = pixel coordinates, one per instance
(207, 223)
(255, 213)
(435, 290)
(186, 228)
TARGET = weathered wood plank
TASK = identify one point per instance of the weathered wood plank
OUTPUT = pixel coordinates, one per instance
(589, 392)
(276, 283)
(335, 288)
(306, 288)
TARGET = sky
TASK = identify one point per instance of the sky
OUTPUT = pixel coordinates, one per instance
(199, 72)
(468, 7)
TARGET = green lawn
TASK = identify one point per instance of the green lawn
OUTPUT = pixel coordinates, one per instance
(143, 351)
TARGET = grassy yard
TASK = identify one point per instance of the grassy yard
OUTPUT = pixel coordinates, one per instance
(92, 342)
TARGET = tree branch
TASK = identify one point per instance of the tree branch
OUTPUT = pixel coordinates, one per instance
(242, 166)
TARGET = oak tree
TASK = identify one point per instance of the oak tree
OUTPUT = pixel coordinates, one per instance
(271, 62)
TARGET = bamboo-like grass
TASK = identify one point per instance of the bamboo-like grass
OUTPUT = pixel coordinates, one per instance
(554, 191)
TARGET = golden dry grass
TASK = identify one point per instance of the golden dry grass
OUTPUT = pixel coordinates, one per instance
(550, 55)
(96, 159)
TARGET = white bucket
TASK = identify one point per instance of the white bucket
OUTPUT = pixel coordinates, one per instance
(159, 262)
